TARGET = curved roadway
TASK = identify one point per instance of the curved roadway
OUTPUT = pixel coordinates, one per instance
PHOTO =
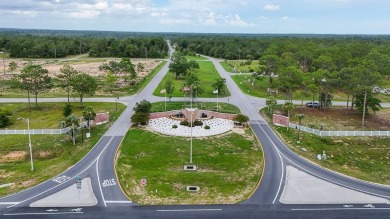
(98, 165)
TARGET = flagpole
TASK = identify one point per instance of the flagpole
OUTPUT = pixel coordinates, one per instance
(165, 100)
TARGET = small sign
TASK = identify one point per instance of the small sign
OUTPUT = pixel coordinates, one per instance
(88, 135)
(143, 182)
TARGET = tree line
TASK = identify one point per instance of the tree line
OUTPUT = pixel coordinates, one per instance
(316, 67)
(29, 46)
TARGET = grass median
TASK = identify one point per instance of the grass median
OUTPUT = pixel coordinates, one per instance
(229, 168)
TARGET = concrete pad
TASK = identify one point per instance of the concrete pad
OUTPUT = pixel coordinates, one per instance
(70, 197)
(302, 188)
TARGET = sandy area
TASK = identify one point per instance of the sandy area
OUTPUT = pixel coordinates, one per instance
(87, 65)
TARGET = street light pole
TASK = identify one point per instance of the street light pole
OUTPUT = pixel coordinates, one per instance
(116, 103)
(191, 137)
(29, 141)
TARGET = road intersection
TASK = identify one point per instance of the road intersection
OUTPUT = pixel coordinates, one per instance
(266, 201)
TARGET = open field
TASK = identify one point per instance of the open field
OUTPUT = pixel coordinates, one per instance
(366, 158)
(84, 64)
(207, 75)
(259, 89)
(231, 64)
(52, 154)
(229, 167)
(223, 107)
(196, 58)
(49, 115)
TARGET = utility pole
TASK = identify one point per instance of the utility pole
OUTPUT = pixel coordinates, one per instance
(29, 141)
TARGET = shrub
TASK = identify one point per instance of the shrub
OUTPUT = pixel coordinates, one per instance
(67, 110)
(207, 127)
(185, 122)
(174, 126)
(4, 120)
(198, 123)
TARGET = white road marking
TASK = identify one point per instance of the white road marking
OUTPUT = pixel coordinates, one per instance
(321, 177)
(100, 187)
(281, 160)
(68, 180)
(336, 209)
(123, 202)
(179, 210)
(9, 203)
(14, 214)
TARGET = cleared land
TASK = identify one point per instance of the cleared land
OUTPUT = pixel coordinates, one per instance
(259, 89)
(52, 154)
(223, 107)
(230, 65)
(229, 168)
(207, 75)
(366, 158)
(81, 63)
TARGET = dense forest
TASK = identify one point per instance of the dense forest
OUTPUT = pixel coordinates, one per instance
(53, 46)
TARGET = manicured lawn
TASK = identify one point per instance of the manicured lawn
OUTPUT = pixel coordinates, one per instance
(223, 107)
(366, 158)
(49, 115)
(229, 167)
(230, 65)
(207, 75)
(52, 154)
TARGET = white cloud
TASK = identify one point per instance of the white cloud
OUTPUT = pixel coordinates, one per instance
(237, 22)
(284, 18)
(23, 13)
(122, 6)
(174, 21)
(85, 14)
(271, 7)
(100, 6)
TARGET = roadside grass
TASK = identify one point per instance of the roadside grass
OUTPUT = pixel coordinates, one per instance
(52, 154)
(196, 58)
(260, 90)
(229, 168)
(366, 158)
(229, 65)
(8, 92)
(207, 75)
(49, 115)
(223, 107)
(339, 118)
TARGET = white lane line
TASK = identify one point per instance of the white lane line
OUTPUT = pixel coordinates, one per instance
(323, 178)
(185, 210)
(336, 183)
(9, 203)
(100, 187)
(67, 180)
(124, 202)
(14, 214)
(336, 209)
(281, 160)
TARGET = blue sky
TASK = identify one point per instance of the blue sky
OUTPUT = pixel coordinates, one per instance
(201, 16)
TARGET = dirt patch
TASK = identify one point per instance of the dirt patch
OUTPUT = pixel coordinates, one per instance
(44, 154)
(13, 156)
(239, 131)
(27, 183)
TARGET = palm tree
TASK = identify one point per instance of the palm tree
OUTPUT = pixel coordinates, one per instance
(73, 123)
(89, 114)
(271, 103)
(288, 107)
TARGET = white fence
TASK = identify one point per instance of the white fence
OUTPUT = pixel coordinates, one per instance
(34, 131)
(340, 133)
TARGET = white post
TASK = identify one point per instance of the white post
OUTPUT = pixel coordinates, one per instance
(191, 137)
(165, 100)
(29, 144)
(217, 99)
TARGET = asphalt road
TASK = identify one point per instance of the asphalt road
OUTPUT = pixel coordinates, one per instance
(98, 165)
